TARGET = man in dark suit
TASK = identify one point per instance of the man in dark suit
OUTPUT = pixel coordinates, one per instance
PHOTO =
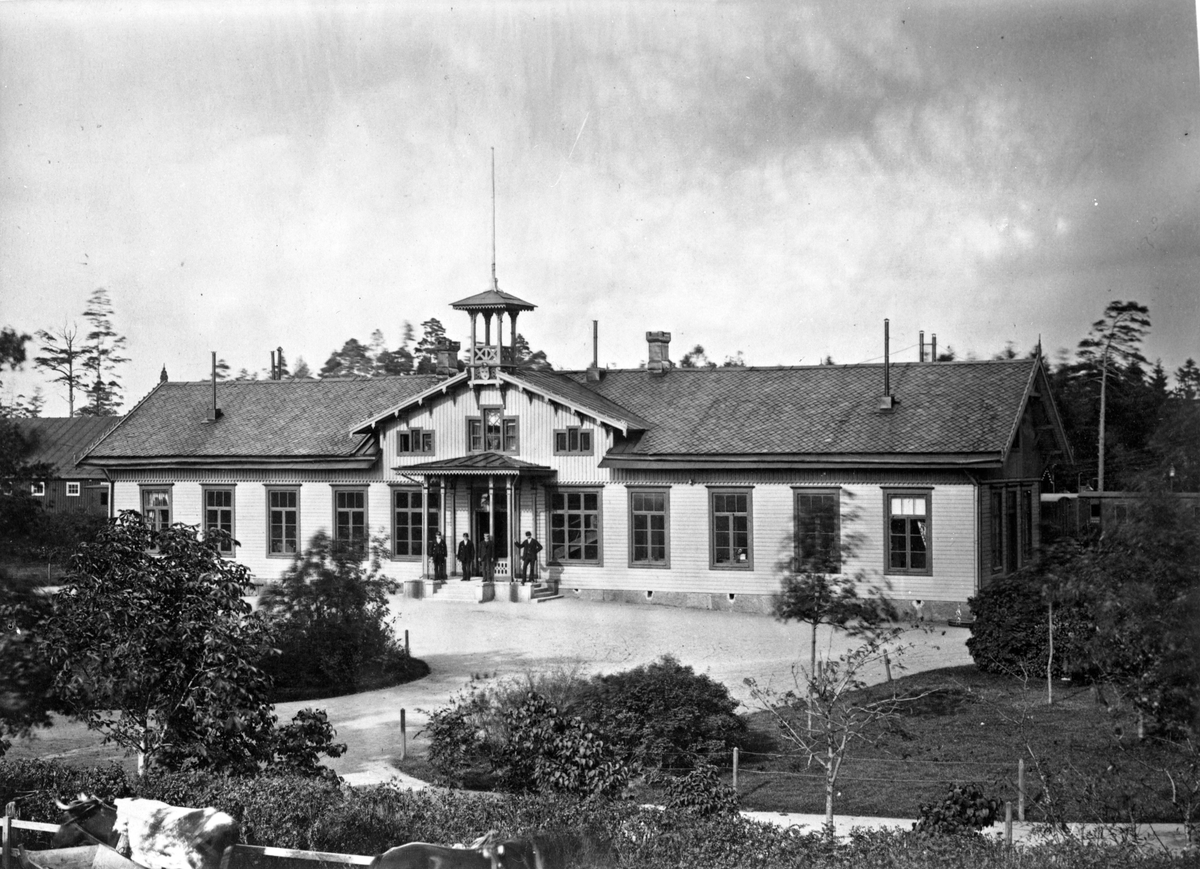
(466, 556)
(487, 557)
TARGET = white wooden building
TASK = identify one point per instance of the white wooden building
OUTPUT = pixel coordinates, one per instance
(657, 484)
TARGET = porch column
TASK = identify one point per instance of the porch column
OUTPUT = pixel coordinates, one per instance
(425, 527)
(509, 493)
(492, 508)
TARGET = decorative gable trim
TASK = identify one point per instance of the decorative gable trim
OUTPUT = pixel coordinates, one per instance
(367, 426)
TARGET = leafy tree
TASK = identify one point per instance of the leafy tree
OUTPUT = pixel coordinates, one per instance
(529, 358)
(696, 358)
(352, 360)
(426, 351)
(12, 348)
(393, 362)
(735, 361)
(1187, 380)
(152, 644)
(26, 681)
(19, 510)
(223, 369)
(102, 355)
(62, 354)
(332, 624)
(1117, 336)
(246, 374)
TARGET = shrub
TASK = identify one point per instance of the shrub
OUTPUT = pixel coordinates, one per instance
(44, 781)
(332, 625)
(1010, 635)
(964, 809)
(702, 793)
(662, 714)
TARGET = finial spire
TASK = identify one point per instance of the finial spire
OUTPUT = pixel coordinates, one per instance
(495, 283)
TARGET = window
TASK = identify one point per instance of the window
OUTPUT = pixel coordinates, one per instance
(1026, 524)
(38, 490)
(493, 432)
(574, 440)
(415, 440)
(575, 527)
(283, 522)
(156, 506)
(997, 523)
(72, 490)
(218, 516)
(908, 518)
(415, 521)
(818, 531)
(350, 521)
(649, 523)
(729, 513)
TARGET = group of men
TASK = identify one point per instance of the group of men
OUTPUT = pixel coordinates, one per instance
(483, 560)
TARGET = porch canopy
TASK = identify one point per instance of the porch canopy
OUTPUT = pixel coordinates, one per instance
(491, 497)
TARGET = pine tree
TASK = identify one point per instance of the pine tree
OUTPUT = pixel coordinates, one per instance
(353, 360)
(63, 356)
(426, 355)
(102, 356)
(1187, 380)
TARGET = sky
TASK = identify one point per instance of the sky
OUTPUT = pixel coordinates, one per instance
(770, 178)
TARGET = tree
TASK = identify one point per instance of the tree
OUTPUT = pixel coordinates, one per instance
(1117, 335)
(353, 360)
(1187, 380)
(246, 374)
(19, 510)
(696, 358)
(301, 372)
(839, 711)
(102, 356)
(12, 348)
(63, 355)
(153, 644)
(736, 361)
(529, 358)
(426, 355)
(26, 695)
(223, 369)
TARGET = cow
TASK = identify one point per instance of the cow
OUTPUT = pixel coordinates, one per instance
(509, 854)
(160, 836)
(89, 821)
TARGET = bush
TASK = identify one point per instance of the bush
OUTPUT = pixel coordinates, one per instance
(662, 715)
(964, 809)
(702, 793)
(44, 781)
(1010, 635)
(332, 626)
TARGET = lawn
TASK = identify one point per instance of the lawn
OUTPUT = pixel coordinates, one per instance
(973, 727)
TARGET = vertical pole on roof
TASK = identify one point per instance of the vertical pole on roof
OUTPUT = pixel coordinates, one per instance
(595, 343)
(495, 283)
(921, 356)
(933, 349)
(887, 373)
(214, 384)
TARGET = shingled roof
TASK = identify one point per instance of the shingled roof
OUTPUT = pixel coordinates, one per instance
(943, 411)
(262, 421)
(59, 441)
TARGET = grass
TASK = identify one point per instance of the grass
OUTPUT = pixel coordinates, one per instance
(974, 727)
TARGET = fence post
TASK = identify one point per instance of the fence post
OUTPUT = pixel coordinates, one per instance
(403, 736)
(10, 812)
(406, 649)
(1008, 822)
(887, 665)
(1021, 789)
(735, 767)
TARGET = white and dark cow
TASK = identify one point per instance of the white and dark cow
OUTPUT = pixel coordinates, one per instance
(160, 836)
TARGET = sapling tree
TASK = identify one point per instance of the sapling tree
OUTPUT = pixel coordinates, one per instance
(828, 710)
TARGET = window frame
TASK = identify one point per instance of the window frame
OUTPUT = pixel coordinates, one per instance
(295, 490)
(579, 431)
(927, 496)
(231, 488)
(167, 488)
(713, 493)
(416, 435)
(505, 421)
(834, 492)
(430, 513)
(633, 492)
(74, 490)
(1025, 509)
(996, 539)
(336, 542)
(552, 511)
(37, 490)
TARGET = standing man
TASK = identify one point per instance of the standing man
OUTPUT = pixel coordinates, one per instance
(487, 554)
(466, 556)
(530, 547)
(438, 553)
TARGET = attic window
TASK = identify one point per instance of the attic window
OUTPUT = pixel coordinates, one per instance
(573, 440)
(415, 440)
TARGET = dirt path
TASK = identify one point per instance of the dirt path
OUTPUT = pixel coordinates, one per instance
(460, 641)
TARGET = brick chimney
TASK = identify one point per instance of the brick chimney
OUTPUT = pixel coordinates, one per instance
(446, 352)
(659, 362)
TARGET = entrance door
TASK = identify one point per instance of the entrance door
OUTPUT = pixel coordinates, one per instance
(481, 525)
